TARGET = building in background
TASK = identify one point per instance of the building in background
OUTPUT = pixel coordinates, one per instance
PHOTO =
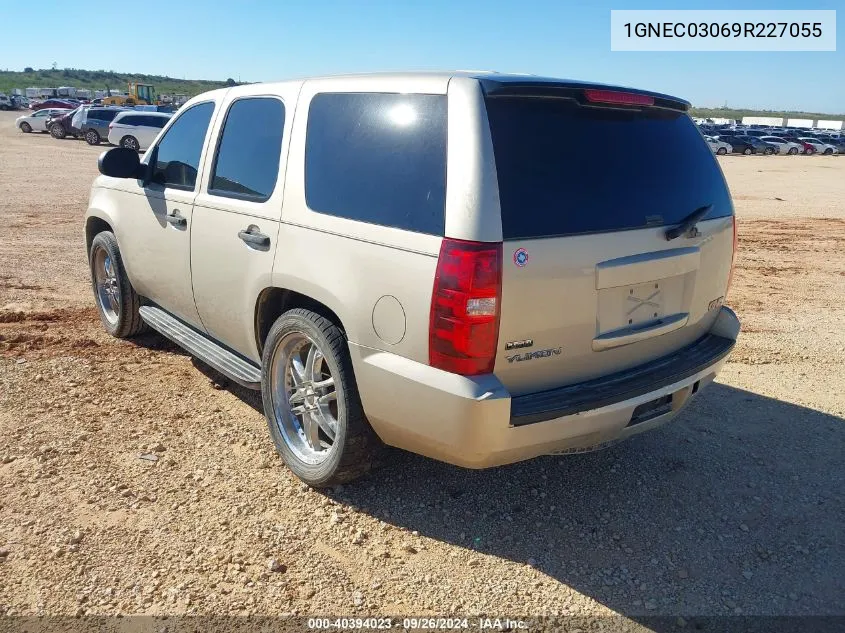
(770, 121)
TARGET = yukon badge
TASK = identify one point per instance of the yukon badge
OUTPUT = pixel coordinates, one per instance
(540, 353)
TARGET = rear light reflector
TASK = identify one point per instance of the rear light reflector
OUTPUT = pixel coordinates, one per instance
(465, 307)
(733, 258)
(617, 97)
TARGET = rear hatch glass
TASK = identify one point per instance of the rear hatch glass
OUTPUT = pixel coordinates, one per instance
(566, 169)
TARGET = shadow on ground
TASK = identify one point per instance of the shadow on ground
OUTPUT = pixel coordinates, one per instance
(736, 507)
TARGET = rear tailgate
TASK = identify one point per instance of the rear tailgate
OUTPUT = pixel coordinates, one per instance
(591, 285)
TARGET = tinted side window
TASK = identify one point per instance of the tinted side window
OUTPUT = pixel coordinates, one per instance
(378, 158)
(247, 162)
(177, 156)
(157, 121)
(129, 120)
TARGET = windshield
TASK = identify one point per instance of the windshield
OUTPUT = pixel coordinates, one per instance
(548, 189)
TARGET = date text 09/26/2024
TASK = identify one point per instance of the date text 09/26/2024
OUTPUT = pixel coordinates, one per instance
(414, 624)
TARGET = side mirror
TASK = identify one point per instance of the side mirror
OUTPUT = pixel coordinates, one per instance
(120, 162)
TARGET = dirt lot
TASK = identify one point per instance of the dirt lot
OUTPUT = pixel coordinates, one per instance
(737, 507)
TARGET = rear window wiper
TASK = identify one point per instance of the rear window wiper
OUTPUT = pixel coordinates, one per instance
(688, 222)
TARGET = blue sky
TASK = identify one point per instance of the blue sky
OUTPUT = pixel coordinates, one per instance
(265, 40)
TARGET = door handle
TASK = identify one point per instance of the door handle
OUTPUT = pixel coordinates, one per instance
(253, 236)
(176, 219)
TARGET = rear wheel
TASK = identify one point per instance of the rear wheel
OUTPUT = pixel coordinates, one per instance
(768, 151)
(26, 127)
(58, 131)
(828, 152)
(810, 151)
(311, 401)
(748, 151)
(117, 300)
(92, 137)
(722, 151)
(130, 142)
(793, 151)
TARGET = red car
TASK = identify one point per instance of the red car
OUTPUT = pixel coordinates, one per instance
(52, 103)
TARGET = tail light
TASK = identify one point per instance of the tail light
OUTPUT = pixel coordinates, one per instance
(733, 258)
(111, 125)
(617, 97)
(465, 307)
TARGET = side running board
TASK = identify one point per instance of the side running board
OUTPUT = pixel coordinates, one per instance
(227, 363)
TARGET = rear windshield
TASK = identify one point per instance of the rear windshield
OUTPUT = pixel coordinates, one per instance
(566, 169)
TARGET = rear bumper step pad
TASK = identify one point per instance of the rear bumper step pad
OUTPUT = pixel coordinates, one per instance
(630, 383)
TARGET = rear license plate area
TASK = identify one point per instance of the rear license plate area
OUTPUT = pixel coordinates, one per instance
(650, 410)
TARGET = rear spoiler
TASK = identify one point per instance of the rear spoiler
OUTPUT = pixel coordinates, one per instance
(577, 90)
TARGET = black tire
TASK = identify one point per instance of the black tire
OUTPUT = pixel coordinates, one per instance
(130, 142)
(721, 151)
(128, 320)
(793, 151)
(748, 151)
(810, 151)
(828, 152)
(356, 447)
(26, 128)
(92, 137)
(768, 151)
(58, 131)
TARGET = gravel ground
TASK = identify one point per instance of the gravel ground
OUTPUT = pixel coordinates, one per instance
(135, 481)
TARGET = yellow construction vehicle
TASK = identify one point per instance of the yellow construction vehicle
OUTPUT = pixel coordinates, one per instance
(139, 94)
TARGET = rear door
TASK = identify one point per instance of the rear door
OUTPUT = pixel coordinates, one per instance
(237, 215)
(587, 190)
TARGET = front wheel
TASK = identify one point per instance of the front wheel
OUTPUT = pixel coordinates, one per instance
(793, 151)
(117, 301)
(768, 151)
(810, 151)
(311, 401)
(130, 142)
(748, 151)
(26, 128)
(58, 131)
(828, 152)
(92, 137)
(721, 151)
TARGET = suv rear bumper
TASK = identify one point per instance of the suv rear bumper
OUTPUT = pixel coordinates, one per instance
(474, 422)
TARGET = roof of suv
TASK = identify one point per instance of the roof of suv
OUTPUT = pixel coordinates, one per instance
(494, 82)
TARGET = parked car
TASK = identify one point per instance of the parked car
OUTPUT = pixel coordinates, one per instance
(747, 145)
(95, 125)
(806, 148)
(717, 146)
(136, 130)
(784, 147)
(52, 103)
(5, 103)
(36, 122)
(819, 146)
(838, 144)
(234, 237)
(61, 126)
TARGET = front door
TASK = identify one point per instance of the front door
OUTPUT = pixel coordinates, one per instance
(156, 217)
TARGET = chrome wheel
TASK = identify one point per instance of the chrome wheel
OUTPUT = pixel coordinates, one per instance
(304, 398)
(108, 290)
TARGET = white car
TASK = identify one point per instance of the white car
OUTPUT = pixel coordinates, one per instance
(137, 130)
(820, 146)
(718, 147)
(784, 146)
(36, 122)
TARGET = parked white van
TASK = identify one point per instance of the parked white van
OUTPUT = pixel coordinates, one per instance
(136, 130)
